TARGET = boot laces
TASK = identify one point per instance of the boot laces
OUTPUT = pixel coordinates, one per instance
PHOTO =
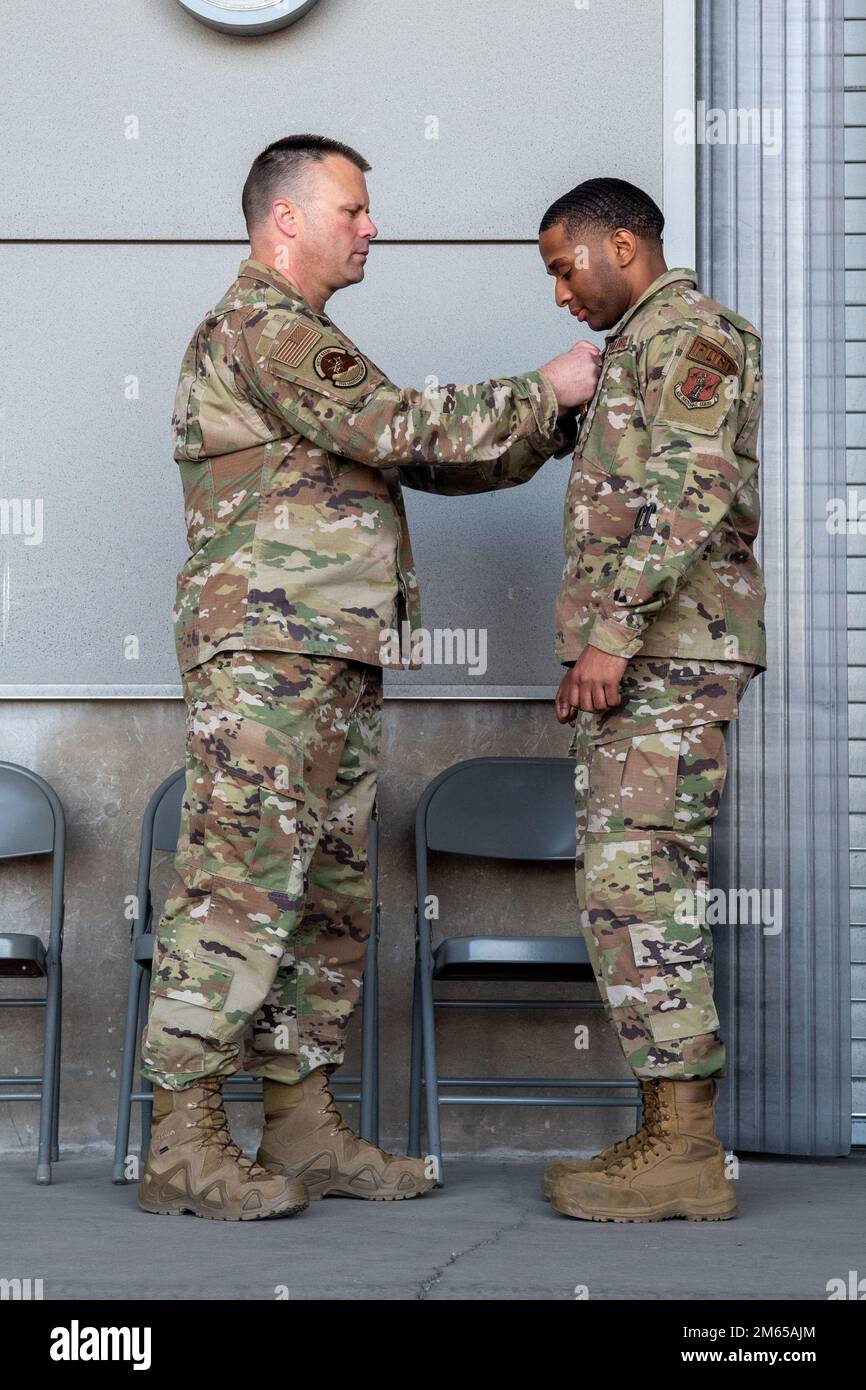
(339, 1126)
(210, 1117)
(656, 1140)
(623, 1147)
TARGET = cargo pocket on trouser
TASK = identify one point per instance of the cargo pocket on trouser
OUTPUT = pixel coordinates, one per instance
(187, 1018)
(672, 969)
(218, 963)
(652, 800)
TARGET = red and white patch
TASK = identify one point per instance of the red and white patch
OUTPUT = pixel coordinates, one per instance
(699, 389)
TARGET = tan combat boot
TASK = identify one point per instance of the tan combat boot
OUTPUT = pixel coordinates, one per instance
(570, 1167)
(305, 1138)
(194, 1166)
(678, 1169)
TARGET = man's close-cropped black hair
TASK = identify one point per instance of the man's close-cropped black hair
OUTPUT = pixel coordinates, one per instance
(602, 205)
(274, 170)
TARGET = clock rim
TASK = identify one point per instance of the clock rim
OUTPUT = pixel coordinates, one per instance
(252, 22)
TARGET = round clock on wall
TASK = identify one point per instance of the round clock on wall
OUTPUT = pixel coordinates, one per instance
(247, 16)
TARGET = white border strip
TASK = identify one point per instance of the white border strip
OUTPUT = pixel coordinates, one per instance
(678, 94)
(174, 692)
(680, 203)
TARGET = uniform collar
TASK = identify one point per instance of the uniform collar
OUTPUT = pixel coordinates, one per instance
(267, 275)
(670, 277)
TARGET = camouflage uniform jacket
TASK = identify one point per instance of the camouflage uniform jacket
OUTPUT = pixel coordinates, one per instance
(293, 447)
(662, 505)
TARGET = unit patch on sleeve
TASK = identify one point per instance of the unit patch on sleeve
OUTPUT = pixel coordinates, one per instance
(699, 389)
(700, 386)
(314, 360)
(340, 367)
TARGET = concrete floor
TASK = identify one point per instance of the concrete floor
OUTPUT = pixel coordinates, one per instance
(486, 1235)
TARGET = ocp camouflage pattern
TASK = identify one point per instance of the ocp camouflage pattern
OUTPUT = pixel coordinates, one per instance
(662, 507)
(259, 955)
(293, 448)
(650, 775)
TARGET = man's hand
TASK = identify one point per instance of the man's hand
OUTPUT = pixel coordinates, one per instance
(591, 684)
(574, 374)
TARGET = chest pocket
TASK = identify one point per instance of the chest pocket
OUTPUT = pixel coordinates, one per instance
(612, 411)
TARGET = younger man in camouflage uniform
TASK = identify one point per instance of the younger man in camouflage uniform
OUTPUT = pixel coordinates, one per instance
(660, 620)
(293, 447)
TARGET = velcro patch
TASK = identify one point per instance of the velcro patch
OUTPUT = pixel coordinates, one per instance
(619, 343)
(339, 366)
(698, 389)
(709, 355)
(296, 344)
(697, 397)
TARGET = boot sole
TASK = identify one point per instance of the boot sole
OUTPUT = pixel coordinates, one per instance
(183, 1209)
(316, 1189)
(680, 1209)
(368, 1196)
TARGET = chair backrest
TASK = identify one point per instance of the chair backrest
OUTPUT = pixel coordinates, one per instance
(32, 822)
(28, 821)
(160, 827)
(167, 804)
(500, 808)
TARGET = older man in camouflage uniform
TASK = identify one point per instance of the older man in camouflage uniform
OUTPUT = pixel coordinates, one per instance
(293, 447)
(660, 619)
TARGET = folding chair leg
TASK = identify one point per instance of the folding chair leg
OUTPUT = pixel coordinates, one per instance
(431, 1076)
(55, 1117)
(369, 1121)
(374, 1078)
(414, 1147)
(146, 1105)
(127, 1073)
(49, 1074)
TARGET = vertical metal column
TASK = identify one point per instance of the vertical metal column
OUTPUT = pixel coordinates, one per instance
(771, 245)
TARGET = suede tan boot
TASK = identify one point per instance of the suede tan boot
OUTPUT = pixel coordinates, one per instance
(677, 1170)
(570, 1167)
(194, 1166)
(306, 1138)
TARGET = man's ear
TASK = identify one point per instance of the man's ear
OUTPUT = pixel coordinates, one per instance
(283, 213)
(624, 246)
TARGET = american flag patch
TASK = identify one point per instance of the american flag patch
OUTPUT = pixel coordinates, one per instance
(295, 346)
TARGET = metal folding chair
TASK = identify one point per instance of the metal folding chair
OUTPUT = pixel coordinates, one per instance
(32, 822)
(494, 808)
(159, 831)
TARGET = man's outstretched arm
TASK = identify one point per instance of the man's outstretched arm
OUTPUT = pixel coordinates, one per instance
(333, 396)
(517, 465)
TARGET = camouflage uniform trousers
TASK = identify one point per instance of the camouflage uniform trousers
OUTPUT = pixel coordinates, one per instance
(258, 961)
(649, 776)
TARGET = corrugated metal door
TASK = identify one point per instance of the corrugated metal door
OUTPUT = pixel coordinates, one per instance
(771, 244)
(855, 345)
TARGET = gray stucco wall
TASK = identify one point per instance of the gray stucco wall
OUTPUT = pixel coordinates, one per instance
(105, 757)
(115, 247)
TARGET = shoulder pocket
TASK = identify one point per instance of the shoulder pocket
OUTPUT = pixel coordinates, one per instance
(701, 385)
(319, 360)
